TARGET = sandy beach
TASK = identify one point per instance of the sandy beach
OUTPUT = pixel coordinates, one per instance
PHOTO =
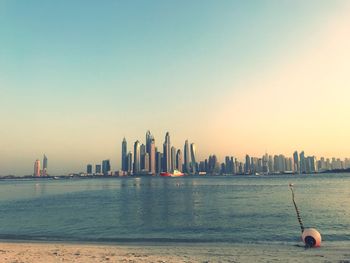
(63, 252)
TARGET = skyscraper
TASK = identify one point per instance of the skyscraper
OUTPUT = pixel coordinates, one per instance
(247, 166)
(296, 162)
(106, 167)
(193, 158)
(137, 157)
(302, 162)
(179, 161)
(44, 171)
(186, 157)
(152, 157)
(37, 168)
(124, 155)
(173, 158)
(129, 163)
(98, 168)
(89, 169)
(167, 153)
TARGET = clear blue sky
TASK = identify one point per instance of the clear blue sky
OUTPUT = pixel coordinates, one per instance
(77, 76)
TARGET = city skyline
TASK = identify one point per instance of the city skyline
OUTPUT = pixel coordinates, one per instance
(233, 77)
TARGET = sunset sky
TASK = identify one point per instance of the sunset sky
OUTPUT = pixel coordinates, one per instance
(234, 77)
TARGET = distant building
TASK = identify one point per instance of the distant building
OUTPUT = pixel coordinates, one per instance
(167, 153)
(124, 161)
(296, 162)
(152, 156)
(193, 158)
(129, 167)
(44, 170)
(37, 168)
(89, 169)
(98, 169)
(186, 158)
(137, 157)
(106, 167)
(179, 161)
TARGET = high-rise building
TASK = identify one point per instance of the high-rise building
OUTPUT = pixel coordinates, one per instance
(89, 169)
(146, 162)
(142, 156)
(137, 157)
(98, 168)
(186, 157)
(167, 153)
(173, 158)
(247, 166)
(296, 162)
(106, 167)
(44, 171)
(302, 162)
(37, 168)
(193, 158)
(152, 157)
(124, 161)
(129, 167)
(159, 162)
(179, 161)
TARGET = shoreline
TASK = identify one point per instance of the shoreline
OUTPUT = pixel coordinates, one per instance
(40, 251)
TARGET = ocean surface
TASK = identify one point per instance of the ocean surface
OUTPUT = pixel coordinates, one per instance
(244, 209)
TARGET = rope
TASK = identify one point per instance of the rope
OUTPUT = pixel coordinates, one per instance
(297, 210)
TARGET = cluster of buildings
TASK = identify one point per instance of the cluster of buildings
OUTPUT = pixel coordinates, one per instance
(37, 169)
(147, 159)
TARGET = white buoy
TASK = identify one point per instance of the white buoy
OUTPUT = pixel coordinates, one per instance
(311, 237)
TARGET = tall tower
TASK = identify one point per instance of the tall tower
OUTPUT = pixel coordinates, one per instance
(193, 158)
(186, 157)
(296, 167)
(302, 162)
(167, 153)
(152, 157)
(173, 158)
(137, 157)
(44, 171)
(179, 160)
(124, 155)
(37, 168)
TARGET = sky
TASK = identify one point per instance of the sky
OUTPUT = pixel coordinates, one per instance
(234, 77)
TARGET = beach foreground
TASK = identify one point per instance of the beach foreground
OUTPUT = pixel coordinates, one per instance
(64, 252)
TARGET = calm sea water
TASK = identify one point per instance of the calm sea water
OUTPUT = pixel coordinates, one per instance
(191, 209)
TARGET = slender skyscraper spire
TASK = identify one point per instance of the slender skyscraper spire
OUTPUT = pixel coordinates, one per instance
(152, 157)
(137, 157)
(167, 153)
(186, 157)
(124, 155)
(44, 171)
(193, 158)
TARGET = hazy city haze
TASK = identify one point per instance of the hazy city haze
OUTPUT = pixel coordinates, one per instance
(232, 77)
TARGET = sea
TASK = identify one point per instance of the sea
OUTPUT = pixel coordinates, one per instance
(198, 209)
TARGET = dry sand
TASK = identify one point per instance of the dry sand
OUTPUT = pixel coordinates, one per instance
(63, 252)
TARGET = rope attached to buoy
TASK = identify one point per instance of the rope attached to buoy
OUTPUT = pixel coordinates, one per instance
(297, 210)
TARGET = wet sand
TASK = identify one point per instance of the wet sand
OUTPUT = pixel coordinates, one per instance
(70, 252)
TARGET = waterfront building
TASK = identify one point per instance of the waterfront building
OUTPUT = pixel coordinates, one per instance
(129, 167)
(186, 158)
(37, 167)
(44, 170)
(271, 165)
(179, 161)
(296, 162)
(124, 155)
(193, 159)
(137, 157)
(142, 155)
(146, 162)
(152, 157)
(247, 166)
(98, 169)
(173, 158)
(89, 169)
(167, 153)
(106, 167)
(302, 162)
(159, 162)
